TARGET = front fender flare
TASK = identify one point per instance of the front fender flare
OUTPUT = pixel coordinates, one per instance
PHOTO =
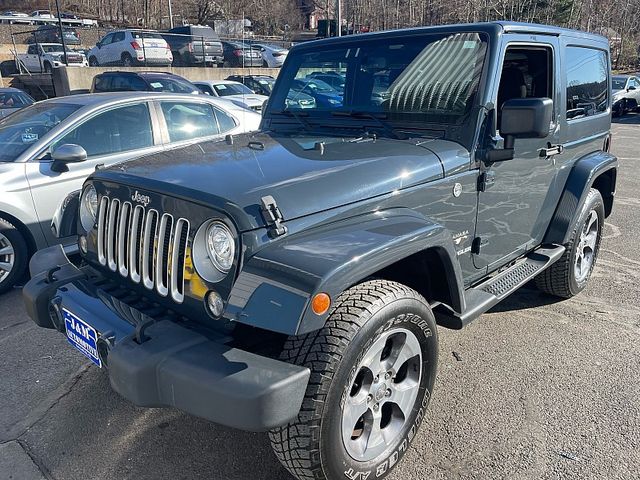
(274, 287)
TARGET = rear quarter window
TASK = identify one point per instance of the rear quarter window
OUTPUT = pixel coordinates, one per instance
(587, 73)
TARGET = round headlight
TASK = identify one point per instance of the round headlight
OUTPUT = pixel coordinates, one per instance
(221, 246)
(88, 207)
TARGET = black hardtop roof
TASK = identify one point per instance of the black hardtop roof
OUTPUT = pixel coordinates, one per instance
(494, 28)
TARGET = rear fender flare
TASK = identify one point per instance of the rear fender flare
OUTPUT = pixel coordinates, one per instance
(581, 179)
(274, 288)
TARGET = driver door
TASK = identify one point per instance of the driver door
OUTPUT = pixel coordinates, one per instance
(516, 199)
(108, 137)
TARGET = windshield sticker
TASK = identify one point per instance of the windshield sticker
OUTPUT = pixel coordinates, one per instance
(221, 87)
(156, 84)
(29, 137)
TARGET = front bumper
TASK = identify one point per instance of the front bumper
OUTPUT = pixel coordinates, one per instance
(157, 362)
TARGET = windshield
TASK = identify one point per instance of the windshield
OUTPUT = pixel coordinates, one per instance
(267, 84)
(426, 79)
(224, 89)
(25, 127)
(14, 100)
(171, 85)
(143, 35)
(52, 48)
(618, 83)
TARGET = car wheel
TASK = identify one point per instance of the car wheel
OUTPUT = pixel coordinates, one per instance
(569, 275)
(93, 62)
(226, 64)
(373, 367)
(265, 64)
(13, 255)
(220, 65)
(127, 61)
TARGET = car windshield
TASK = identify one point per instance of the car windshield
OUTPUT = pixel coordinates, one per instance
(143, 35)
(52, 48)
(267, 84)
(14, 100)
(224, 89)
(25, 127)
(618, 83)
(173, 85)
(428, 79)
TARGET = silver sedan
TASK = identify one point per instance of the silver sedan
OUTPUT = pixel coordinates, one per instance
(49, 148)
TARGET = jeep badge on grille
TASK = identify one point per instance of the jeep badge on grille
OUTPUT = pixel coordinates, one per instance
(139, 198)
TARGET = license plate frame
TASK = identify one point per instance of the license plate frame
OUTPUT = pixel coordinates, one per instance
(82, 336)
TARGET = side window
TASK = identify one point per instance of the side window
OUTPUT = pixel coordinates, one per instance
(107, 40)
(633, 82)
(102, 83)
(226, 121)
(118, 37)
(32, 50)
(527, 72)
(587, 82)
(118, 130)
(206, 88)
(127, 83)
(187, 121)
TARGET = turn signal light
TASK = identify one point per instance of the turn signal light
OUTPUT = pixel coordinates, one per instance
(320, 303)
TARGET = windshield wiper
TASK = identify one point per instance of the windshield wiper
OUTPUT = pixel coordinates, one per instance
(378, 118)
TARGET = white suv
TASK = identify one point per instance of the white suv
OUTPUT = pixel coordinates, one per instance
(131, 47)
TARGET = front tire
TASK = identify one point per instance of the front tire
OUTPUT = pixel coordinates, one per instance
(93, 61)
(570, 275)
(373, 367)
(13, 255)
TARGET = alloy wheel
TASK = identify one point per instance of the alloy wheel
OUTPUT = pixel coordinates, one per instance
(382, 395)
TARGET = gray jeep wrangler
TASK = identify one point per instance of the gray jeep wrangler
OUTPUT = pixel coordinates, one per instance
(291, 281)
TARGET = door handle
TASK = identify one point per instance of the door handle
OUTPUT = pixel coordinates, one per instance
(551, 150)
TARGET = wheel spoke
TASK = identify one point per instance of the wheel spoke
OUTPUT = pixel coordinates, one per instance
(352, 413)
(8, 250)
(593, 217)
(6, 267)
(590, 240)
(376, 441)
(405, 398)
(409, 349)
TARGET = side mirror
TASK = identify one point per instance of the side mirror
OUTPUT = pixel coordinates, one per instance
(67, 153)
(99, 45)
(631, 88)
(522, 118)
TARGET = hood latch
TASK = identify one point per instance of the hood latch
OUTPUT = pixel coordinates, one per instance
(272, 217)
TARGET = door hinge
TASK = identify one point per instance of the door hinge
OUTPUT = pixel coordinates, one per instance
(475, 245)
(486, 180)
(272, 217)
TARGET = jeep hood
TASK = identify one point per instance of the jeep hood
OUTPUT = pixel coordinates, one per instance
(305, 174)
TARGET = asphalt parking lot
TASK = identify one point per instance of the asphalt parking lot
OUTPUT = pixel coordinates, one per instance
(535, 389)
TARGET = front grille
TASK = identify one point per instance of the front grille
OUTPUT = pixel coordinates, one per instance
(143, 245)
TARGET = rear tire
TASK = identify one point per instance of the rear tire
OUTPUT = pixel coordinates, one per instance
(126, 59)
(93, 61)
(570, 275)
(13, 255)
(373, 367)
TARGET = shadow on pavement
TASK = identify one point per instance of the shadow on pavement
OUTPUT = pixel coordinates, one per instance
(525, 297)
(631, 118)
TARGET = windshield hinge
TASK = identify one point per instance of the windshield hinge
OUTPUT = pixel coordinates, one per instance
(486, 180)
(272, 217)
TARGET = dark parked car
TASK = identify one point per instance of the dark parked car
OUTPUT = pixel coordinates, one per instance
(194, 45)
(51, 34)
(323, 93)
(12, 100)
(293, 280)
(260, 84)
(142, 81)
(333, 79)
(238, 54)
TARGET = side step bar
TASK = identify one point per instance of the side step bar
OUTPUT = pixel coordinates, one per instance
(482, 297)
